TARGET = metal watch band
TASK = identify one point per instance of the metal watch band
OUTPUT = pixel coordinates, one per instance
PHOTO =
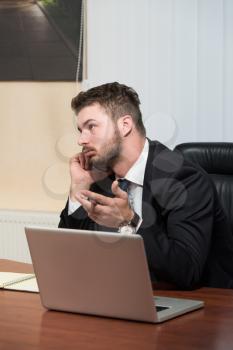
(135, 220)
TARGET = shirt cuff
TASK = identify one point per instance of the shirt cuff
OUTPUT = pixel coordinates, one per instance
(73, 206)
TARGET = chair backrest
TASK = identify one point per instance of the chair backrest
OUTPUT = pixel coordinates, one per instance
(216, 158)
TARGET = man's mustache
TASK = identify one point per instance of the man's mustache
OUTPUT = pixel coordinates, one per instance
(88, 149)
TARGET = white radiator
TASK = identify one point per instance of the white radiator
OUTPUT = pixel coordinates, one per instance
(13, 243)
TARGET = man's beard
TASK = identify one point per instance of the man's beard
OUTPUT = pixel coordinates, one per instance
(110, 153)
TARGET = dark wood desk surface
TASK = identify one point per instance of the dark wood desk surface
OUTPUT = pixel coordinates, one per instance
(25, 324)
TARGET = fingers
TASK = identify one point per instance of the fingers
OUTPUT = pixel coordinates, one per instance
(88, 205)
(117, 191)
(86, 197)
(78, 159)
(93, 209)
(105, 211)
(83, 159)
(86, 157)
(96, 198)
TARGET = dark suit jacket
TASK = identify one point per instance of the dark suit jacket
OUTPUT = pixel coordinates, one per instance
(187, 238)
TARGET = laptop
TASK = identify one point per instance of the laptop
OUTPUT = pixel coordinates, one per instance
(98, 273)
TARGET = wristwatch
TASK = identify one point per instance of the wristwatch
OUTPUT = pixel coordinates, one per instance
(129, 227)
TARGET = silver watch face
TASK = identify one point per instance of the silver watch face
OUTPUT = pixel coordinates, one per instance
(127, 230)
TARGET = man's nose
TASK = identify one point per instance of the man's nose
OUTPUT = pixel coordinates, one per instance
(82, 139)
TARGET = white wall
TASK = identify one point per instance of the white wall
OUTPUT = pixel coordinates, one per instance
(178, 55)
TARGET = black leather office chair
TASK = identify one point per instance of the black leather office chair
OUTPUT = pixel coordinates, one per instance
(216, 158)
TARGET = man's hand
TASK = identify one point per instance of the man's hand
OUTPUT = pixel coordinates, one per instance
(106, 211)
(82, 174)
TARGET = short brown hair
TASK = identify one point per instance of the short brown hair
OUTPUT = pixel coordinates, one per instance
(117, 99)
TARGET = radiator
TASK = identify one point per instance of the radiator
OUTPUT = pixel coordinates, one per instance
(13, 243)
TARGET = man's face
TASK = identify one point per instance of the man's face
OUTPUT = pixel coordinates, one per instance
(98, 133)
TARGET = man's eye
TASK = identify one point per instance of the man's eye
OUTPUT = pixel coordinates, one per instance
(91, 126)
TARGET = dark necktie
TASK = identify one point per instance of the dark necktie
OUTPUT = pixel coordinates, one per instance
(123, 184)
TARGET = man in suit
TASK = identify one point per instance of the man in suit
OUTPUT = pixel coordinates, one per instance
(171, 203)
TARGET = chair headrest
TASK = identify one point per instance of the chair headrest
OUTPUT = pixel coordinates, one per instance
(214, 157)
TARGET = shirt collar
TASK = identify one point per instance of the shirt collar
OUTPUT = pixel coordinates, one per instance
(137, 171)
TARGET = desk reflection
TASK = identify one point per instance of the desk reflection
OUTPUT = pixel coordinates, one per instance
(60, 330)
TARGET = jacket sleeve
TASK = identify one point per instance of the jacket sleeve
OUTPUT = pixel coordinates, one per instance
(178, 243)
(78, 220)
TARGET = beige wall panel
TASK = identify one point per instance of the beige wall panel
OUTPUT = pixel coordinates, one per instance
(37, 138)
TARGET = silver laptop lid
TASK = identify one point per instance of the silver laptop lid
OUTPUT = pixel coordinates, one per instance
(91, 272)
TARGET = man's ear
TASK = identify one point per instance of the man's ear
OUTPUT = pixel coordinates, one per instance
(125, 124)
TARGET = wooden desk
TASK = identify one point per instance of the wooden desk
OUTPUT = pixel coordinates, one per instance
(25, 324)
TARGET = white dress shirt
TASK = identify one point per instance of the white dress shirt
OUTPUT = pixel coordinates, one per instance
(135, 176)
